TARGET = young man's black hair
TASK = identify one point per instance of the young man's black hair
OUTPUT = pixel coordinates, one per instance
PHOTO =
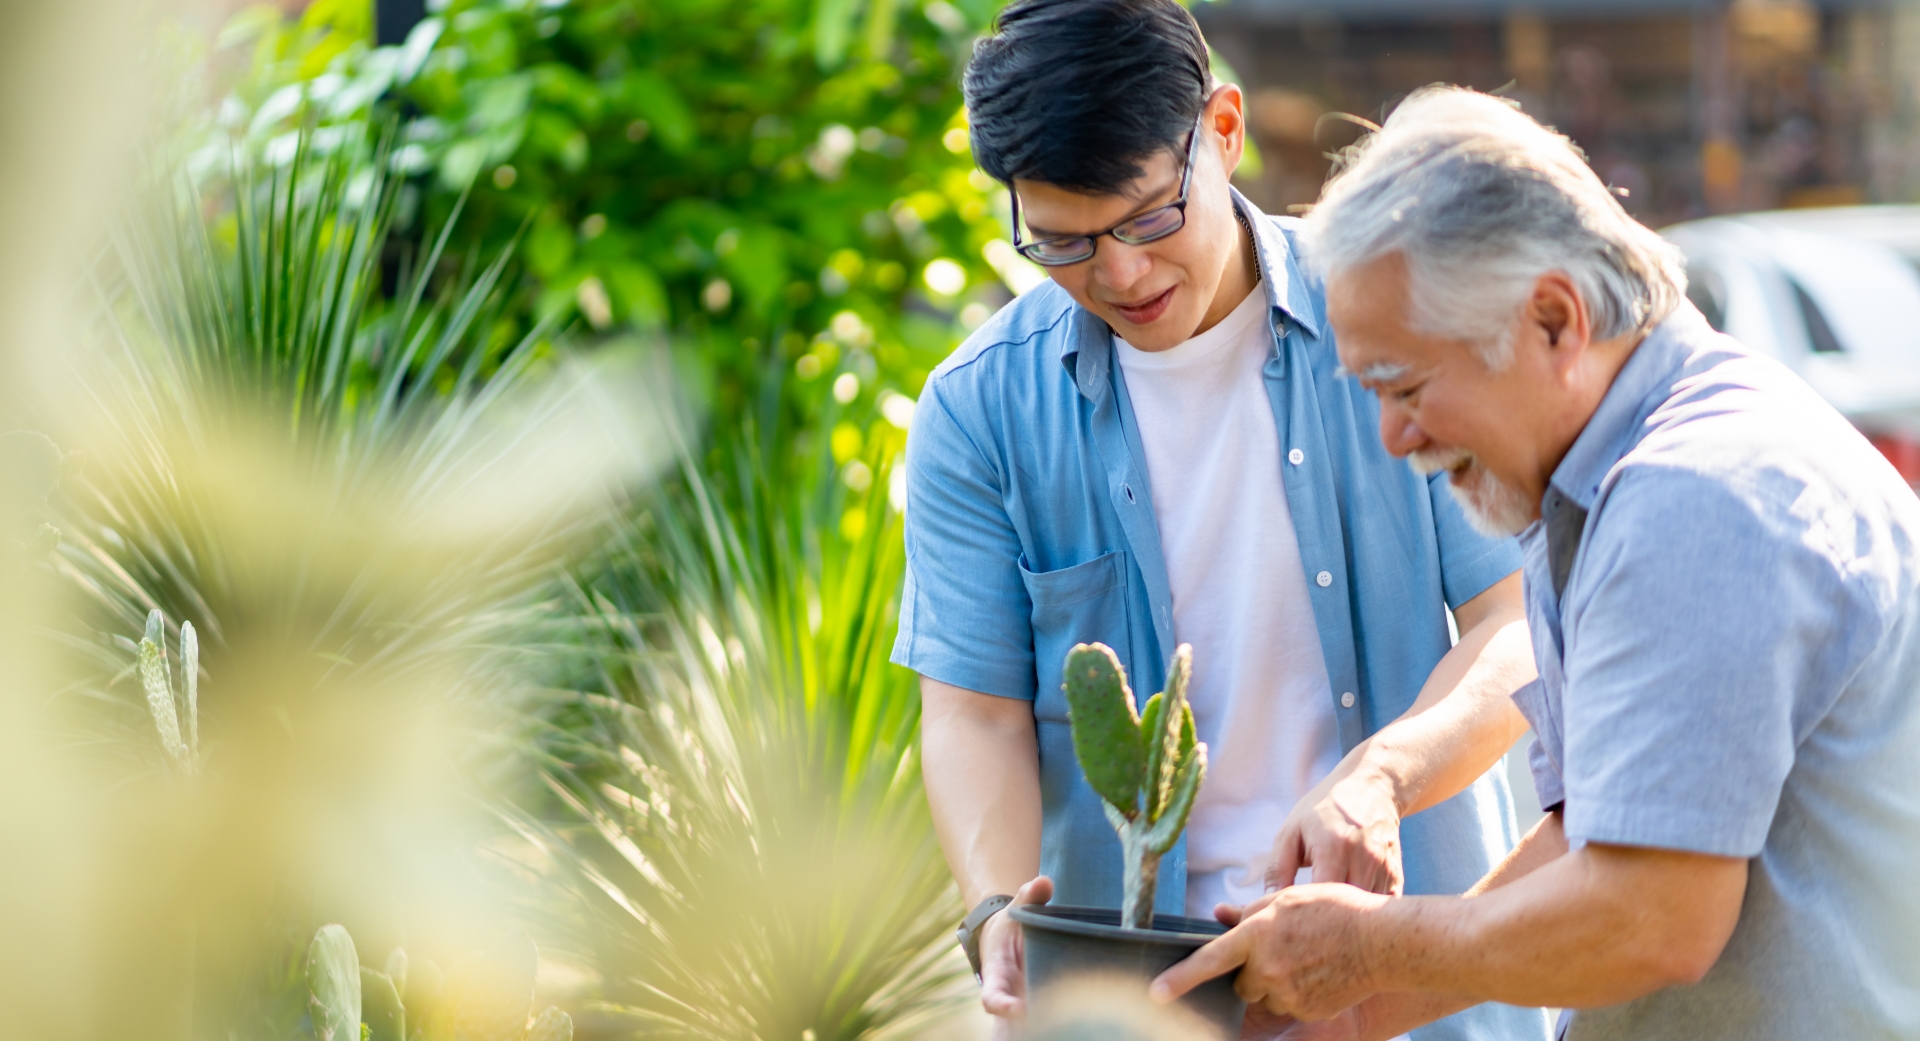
(1075, 93)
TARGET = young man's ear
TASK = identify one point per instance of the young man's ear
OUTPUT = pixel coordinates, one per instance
(1227, 117)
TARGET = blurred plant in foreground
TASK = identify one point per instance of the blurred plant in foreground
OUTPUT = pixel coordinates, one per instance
(251, 359)
(356, 494)
(757, 860)
(178, 724)
(1095, 1008)
(488, 996)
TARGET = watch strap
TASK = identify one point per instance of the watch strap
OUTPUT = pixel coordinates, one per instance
(969, 932)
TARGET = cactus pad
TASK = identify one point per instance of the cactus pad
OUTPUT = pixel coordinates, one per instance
(1163, 741)
(553, 1025)
(333, 985)
(1106, 730)
(1179, 803)
(380, 1008)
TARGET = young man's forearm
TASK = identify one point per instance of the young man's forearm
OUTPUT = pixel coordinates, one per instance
(1464, 719)
(1461, 724)
(981, 763)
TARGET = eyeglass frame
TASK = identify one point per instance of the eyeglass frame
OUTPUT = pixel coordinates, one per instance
(1093, 239)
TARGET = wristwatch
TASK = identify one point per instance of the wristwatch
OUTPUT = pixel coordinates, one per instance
(969, 932)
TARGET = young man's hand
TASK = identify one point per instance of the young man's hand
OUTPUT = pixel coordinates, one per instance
(1003, 960)
(1348, 826)
(1348, 830)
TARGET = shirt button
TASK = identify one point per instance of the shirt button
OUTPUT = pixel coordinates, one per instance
(1325, 578)
(1346, 700)
(1296, 457)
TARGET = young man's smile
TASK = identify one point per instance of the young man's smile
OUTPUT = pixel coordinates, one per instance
(1146, 311)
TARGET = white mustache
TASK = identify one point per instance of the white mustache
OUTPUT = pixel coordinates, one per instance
(1434, 460)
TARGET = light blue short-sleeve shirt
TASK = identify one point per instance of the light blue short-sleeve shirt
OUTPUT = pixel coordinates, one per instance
(1729, 650)
(1030, 528)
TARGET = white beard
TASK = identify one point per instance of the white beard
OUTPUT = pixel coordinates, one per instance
(1494, 508)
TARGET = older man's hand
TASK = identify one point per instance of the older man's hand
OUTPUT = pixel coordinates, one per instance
(1348, 830)
(1299, 952)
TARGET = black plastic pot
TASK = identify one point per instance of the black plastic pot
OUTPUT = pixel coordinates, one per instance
(1065, 942)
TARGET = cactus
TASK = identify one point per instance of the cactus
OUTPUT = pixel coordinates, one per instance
(380, 1009)
(487, 997)
(553, 1025)
(1146, 767)
(333, 985)
(190, 675)
(156, 679)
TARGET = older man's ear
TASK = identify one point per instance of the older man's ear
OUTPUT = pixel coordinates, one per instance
(1557, 314)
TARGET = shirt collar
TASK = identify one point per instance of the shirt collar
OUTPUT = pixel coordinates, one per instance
(1288, 292)
(1637, 390)
(1281, 279)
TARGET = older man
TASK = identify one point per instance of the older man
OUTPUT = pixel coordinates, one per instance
(1721, 583)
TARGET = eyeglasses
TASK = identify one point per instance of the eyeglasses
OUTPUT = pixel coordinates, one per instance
(1151, 226)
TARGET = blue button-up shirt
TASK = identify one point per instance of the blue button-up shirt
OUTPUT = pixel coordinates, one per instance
(1030, 528)
(1724, 594)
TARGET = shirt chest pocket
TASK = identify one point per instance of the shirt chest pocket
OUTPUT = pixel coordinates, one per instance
(1085, 603)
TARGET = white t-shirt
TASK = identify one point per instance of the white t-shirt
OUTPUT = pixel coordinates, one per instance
(1262, 700)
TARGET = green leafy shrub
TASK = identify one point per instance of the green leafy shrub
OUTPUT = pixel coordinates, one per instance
(783, 188)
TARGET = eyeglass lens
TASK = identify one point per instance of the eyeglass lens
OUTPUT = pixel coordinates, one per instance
(1148, 227)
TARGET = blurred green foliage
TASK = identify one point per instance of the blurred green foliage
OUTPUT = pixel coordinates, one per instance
(781, 189)
(760, 863)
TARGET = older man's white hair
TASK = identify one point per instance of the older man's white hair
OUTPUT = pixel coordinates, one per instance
(1482, 201)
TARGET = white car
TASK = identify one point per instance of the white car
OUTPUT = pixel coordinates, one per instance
(1833, 293)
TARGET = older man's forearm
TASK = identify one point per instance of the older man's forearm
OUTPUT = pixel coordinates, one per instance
(1598, 926)
(1390, 1015)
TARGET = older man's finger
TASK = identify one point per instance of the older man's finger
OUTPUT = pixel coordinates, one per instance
(1289, 856)
(1251, 988)
(1216, 958)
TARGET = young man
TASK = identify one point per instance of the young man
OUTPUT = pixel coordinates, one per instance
(1155, 448)
(1723, 580)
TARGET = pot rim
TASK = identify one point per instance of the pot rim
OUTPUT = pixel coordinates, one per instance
(1047, 917)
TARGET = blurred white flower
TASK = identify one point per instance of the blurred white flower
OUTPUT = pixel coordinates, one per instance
(594, 303)
(945, 277)
(829, 154)
(846, 387)
(897, 409)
